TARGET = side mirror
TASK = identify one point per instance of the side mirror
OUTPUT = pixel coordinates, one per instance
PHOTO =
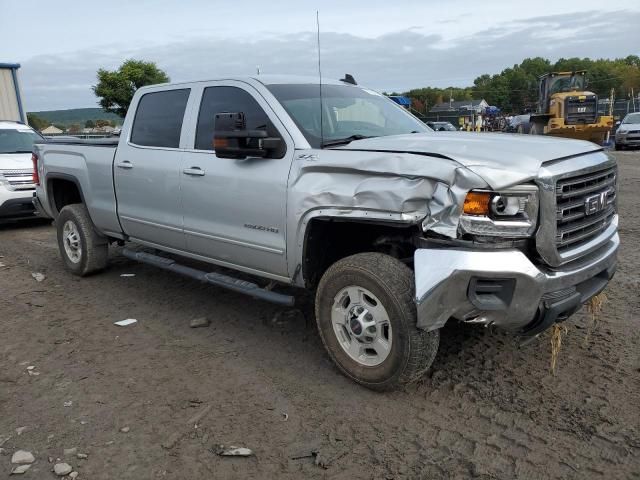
(231, 139)
(618, 123)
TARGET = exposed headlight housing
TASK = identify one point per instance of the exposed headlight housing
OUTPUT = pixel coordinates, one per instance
(509, 213)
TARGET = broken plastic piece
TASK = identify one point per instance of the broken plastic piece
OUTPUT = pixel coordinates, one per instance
(124, 323)
(233, 451)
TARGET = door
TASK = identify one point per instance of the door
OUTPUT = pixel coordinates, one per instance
(235, 210)
(147, 170)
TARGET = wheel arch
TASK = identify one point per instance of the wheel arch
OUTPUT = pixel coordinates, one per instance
(325, 237)
(62, 190)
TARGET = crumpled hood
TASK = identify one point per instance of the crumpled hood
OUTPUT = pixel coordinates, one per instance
(15, 161)
(500, 159)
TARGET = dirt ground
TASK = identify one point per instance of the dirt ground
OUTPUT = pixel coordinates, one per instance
(259, 378)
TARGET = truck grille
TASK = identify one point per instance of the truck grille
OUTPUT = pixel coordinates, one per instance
(581, 111)
(585, 207)
(19, 179)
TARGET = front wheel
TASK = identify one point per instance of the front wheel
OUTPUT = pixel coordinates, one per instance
(83, 250)
(366, 317)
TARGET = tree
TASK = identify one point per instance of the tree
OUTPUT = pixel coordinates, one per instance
(36, 122)
(89, 124)
(103, 123)
(74, 128)
(116, 88)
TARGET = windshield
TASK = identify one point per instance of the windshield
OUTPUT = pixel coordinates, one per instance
(347, 113)
(567, 84)
(632, 118)
(18, 140)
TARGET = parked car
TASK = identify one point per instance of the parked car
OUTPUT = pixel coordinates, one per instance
(396, 229)
(628, 132)
(16, 168)
(519, 124)
(442, 126)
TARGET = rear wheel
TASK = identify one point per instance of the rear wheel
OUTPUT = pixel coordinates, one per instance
(366, 317)
(83, 250)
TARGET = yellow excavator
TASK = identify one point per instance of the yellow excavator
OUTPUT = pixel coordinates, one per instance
(566, 109)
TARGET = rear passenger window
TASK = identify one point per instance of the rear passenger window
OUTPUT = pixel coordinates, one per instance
(229, 99)
(158, 119)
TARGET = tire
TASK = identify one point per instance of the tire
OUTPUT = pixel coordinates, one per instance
(403, 353)
(619, 147)
(535, 129)
(86, 251)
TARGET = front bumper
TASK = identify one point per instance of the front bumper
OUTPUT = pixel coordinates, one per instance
(628, 140)
(15, 204)
(504, 288)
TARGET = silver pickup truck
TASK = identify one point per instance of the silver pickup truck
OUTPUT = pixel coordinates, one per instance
(395, 228)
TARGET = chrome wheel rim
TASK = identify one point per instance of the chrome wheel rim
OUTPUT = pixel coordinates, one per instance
(361, 325)
(71, 241)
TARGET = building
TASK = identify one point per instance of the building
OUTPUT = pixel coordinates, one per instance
(463, 113)
(10, 97)
(476, 106)
(51, 130)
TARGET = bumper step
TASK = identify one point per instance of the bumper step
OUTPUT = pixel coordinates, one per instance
(217, 279)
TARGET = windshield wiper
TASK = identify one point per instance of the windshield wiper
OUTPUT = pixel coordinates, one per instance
(344, 141)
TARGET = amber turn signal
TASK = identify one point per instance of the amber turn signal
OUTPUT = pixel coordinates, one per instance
(477, 203)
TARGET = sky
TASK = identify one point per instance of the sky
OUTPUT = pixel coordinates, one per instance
(387, 46)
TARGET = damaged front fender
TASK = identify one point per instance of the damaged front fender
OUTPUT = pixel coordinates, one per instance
(377, 186)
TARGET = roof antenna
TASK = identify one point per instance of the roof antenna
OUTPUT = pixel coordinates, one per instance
(320, 77)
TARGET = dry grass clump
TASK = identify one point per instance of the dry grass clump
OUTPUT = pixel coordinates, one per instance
(594, 307)
(557, 331)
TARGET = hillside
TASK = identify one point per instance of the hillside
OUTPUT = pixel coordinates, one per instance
(77, 115)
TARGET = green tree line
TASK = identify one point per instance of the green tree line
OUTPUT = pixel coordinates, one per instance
(515, 88)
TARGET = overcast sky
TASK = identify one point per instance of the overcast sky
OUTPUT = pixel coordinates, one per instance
(386, 45)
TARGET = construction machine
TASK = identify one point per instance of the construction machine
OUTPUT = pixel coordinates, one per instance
(566, 109)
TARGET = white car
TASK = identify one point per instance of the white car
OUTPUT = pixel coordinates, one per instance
(628, 133)
(16, 170)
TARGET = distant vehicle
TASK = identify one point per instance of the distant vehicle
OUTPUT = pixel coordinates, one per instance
(16, 168)
(519, 124)
(395, 228)
(567, 109)
(628, 132)
(442, 126)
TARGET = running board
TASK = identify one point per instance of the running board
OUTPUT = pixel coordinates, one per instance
(217, 279)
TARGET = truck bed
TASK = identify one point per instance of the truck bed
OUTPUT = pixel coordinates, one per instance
(96, 142)
(88, 164)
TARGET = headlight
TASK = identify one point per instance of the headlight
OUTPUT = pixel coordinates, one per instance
(509, 213)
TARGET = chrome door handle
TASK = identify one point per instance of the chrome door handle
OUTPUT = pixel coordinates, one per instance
(126, 164)
(194, 171)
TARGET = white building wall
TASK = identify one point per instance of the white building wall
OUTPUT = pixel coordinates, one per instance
(8, 100)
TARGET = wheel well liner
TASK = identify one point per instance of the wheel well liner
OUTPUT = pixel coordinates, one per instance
(63, 190)
(328, 240)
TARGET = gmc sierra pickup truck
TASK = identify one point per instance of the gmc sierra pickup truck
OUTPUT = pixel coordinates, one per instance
(396, 229)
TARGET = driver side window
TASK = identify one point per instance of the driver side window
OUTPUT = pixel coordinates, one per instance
(229, 99)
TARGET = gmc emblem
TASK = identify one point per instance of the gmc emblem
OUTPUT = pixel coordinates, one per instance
(596, 203)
